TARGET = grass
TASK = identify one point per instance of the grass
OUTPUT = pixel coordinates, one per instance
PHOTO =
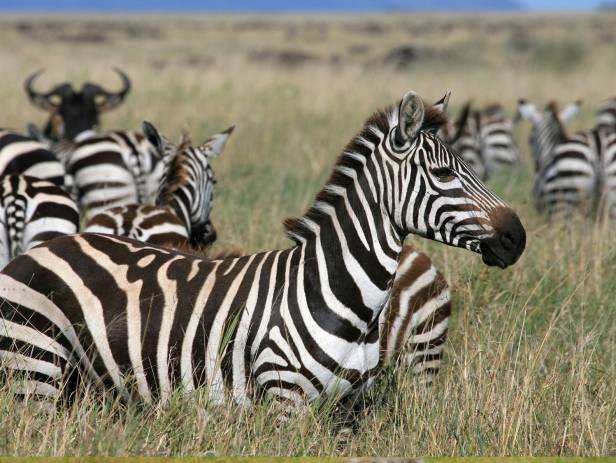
(530, 365)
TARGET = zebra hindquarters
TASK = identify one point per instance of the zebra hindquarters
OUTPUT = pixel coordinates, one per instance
(567, 184)
(101, 179)
(413, 326)
(33, 352)
(608, 175)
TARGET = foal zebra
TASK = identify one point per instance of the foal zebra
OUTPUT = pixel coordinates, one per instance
(295, 323)
(498, 147)
(567, 166)
(184, 202)
(21, 155)
(32, 211)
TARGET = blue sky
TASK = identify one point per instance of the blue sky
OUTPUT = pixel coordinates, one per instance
(273, 5)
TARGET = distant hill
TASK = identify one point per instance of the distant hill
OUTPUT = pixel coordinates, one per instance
(260, 5)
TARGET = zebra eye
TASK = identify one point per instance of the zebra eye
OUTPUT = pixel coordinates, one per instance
(444, 174)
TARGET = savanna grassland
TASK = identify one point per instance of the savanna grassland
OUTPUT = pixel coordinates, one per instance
(530, 365)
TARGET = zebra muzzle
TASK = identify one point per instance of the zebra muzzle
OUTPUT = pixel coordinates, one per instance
(507, 244)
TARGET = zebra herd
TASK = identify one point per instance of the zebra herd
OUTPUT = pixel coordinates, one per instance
(573, 172)
(137, 303)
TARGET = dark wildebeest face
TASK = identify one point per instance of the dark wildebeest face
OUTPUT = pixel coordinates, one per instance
(73, 112)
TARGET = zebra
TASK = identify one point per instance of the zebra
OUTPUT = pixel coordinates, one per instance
(73, 113)
(114, 169)
(484, 139)
(298, 323)
(464, 137)
(606, 115)
(413, 325)
(21, 155)
(185, 198)
(32, 211)
(498, 147)
(547, 128)
(567, 165)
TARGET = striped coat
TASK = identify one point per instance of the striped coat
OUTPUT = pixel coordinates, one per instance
(114, 169)
(498, 146)
(568, 172)
(32, 211)
(184, 201)
(297, 323)
(21, 155)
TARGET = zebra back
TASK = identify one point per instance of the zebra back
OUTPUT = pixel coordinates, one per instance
(498, 147)
(547, 128)
(114, 169)
(21, 155)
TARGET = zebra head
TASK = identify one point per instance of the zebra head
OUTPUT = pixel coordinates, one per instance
(432, 192)
(74, 112)
(547, 127)
(188, 180)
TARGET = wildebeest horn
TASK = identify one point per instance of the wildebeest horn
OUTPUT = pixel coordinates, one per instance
(110, 100)
(43, 100)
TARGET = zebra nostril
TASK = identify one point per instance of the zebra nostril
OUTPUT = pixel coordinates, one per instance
(508, 241)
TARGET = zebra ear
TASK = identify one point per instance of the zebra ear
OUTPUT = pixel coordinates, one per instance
(153, 136)
(215, 145)
(443, 103)
(410, 117)
(528, 111)
(570, 111)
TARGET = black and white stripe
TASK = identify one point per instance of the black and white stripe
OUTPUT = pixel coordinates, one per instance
(547, 129)
(413, 325)
(32, 211)
(465, 138)
(567, 178)
(114, 169)
(184, 202)
(296, 323)
(606, 115)
(498, 147)
(21, 155)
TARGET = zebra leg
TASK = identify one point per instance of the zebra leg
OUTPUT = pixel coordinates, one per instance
(413, 326)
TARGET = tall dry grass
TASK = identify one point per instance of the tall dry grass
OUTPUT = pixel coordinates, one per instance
(530, 366)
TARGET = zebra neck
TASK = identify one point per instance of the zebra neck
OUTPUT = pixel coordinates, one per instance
(182, 210)
(351, 256)
(548, 137)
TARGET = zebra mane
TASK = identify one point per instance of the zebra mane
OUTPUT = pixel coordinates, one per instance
(177, 173)
(461, 122)
(353, 158)
(552, 109)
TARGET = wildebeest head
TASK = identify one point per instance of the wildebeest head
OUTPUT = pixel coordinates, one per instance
(73, 112)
